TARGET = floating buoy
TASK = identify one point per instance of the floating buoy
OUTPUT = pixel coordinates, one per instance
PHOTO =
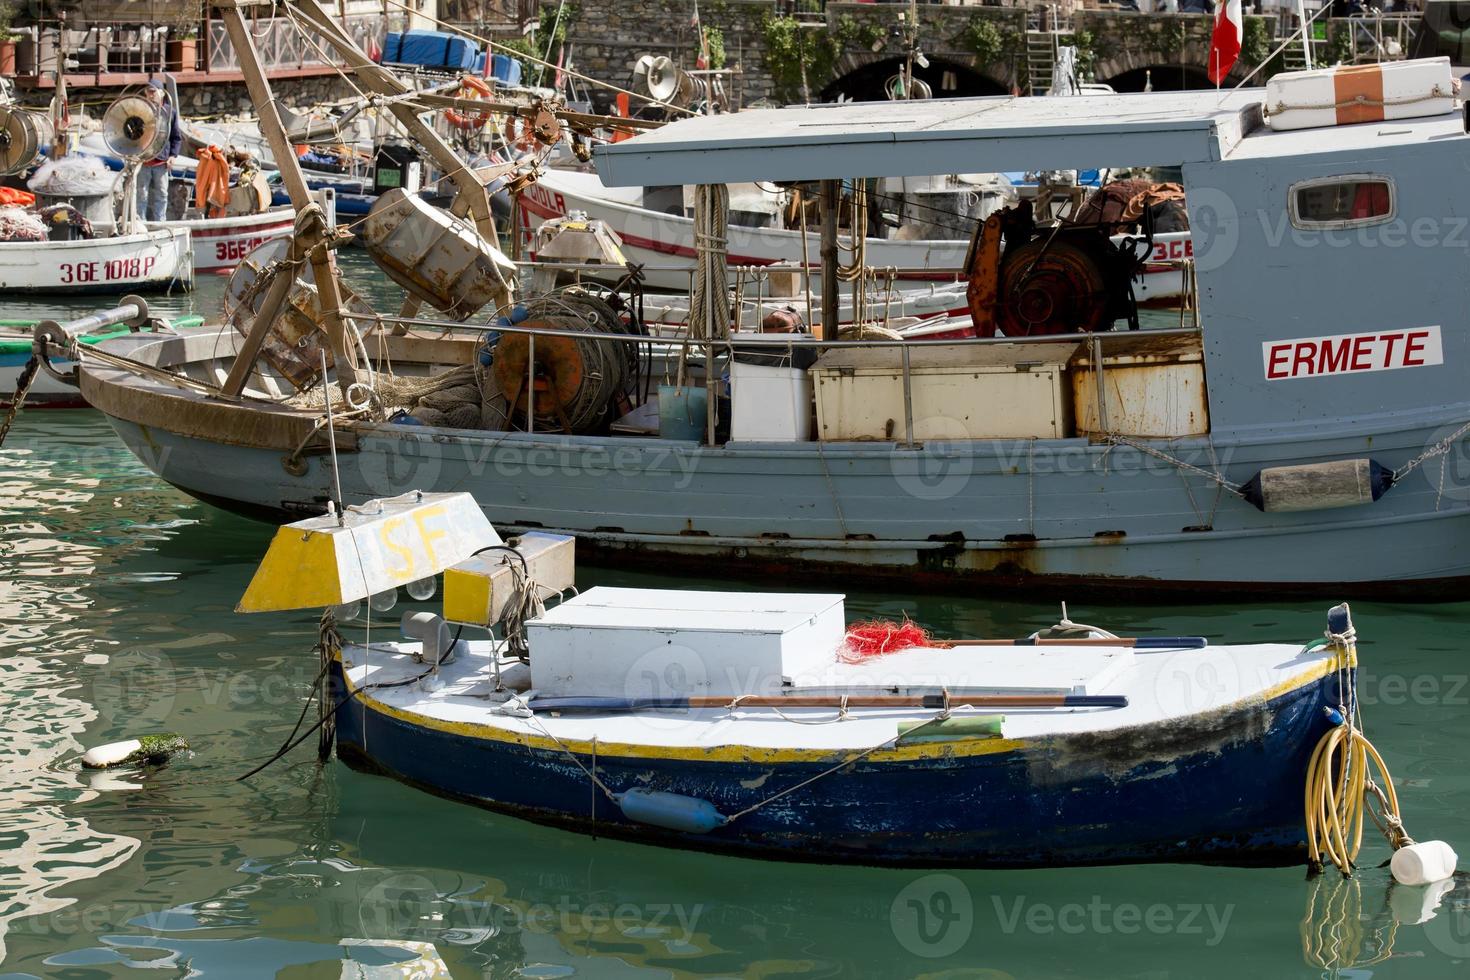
(671, 811)
(1318, 486)
(1423, 863)
(151, 749)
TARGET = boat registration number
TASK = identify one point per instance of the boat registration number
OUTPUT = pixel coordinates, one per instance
(1352, 353)
(1179, 248)
(234, 251)
(111, 270)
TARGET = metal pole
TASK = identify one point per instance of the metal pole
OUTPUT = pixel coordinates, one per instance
(332, 442)
(831, 195)
(531, 384)
(908, 402)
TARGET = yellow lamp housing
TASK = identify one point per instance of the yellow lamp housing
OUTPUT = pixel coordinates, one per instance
(379, 545)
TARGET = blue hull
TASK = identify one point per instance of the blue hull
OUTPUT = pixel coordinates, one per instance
(1213, 788)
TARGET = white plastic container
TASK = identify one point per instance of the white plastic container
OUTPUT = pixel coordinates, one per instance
(1420, 864)
(1360, 93)
(665, 643)
(770, 404)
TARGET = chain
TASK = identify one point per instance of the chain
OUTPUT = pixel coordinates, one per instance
(23, 384)
(1175, 461)
(1438, 449)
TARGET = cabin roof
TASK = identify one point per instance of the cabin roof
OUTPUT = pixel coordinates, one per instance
(906, 139)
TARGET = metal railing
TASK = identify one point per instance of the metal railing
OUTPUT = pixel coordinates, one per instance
(281, 46)
(767, 343)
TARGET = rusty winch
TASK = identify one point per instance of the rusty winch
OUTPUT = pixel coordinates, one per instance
(1028, 281)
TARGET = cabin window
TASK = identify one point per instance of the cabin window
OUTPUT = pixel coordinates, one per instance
(1342, 202)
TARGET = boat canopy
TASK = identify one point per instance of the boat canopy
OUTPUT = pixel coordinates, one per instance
(915, 138)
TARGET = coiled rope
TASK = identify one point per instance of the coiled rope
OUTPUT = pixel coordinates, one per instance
(1339, 780)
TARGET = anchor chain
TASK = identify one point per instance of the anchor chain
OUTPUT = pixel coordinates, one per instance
(23, 384)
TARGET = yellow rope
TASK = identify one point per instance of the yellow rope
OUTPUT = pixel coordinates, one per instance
(1338, 781)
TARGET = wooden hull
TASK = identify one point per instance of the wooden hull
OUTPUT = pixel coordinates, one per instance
(1216, 786)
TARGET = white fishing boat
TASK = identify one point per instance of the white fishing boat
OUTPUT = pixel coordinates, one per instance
(768, 725)
(220, 243)
(71, 241)
(146, 261)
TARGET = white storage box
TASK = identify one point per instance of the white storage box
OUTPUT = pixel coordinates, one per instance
(663, 643)
(1360, 93)
(770, 404)
(990, 391)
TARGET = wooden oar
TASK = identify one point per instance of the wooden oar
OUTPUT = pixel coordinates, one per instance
(1136, 642)
(572, 705)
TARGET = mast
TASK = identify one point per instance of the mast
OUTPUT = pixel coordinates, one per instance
(310, 240)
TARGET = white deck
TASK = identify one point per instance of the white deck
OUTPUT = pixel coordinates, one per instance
(1160, 685)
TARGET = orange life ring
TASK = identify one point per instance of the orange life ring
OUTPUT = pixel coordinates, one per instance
(470, 87)
(519, 134)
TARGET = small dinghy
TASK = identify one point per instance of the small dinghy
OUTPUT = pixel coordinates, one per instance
(761, 724)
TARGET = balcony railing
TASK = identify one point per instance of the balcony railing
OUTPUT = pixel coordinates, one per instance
(122, 52)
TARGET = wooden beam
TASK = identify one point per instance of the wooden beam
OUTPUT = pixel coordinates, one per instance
(831, 199)
(311, 236)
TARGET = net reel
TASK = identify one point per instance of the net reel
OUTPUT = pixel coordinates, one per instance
(24, 136)
(135, 128)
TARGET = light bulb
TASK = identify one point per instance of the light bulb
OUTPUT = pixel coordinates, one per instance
(385, 600)
(422, 589)
(348, 611)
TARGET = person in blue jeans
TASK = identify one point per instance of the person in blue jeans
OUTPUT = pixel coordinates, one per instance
(153, 175)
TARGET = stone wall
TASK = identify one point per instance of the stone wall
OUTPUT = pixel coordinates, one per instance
(988, 41)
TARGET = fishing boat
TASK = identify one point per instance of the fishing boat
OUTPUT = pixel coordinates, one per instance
(660, 237)
(765, 725)
(1276, 440)
(46, 390)
(70, 241)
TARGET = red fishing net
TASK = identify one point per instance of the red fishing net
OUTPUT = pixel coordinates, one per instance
(877, 637)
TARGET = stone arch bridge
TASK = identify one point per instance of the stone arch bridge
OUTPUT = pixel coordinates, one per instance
(852, 50)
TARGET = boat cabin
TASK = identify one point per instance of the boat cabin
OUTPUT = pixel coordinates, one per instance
(1324, 256)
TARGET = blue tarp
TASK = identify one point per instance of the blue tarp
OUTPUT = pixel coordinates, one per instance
(430, 49)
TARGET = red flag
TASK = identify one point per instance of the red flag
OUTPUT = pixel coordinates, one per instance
(1225, 41)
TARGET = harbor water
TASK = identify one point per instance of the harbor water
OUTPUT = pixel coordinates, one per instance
(116, 618)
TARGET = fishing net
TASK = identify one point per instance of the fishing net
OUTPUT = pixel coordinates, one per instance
(877, 637)
(73, 176)
(19, 225)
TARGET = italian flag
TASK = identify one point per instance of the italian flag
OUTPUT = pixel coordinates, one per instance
(1225, 41)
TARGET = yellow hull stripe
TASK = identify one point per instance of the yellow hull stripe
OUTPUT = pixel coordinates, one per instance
(955, 749)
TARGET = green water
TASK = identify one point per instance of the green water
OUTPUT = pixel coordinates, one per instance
(116, 598)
